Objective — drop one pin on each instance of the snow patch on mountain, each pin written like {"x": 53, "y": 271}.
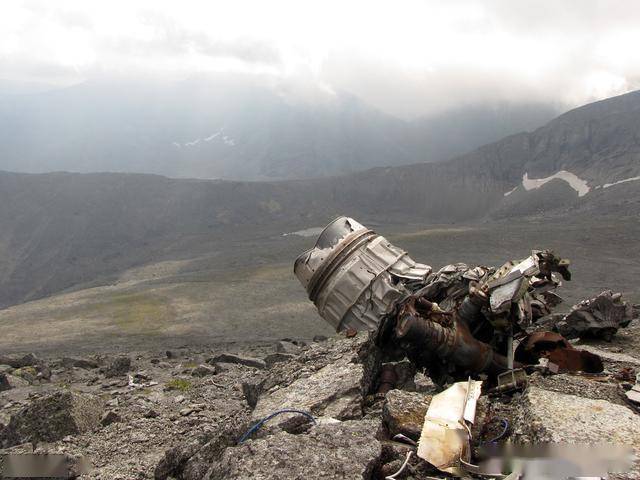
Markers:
{"x": 506, "y": 194}
{"x": 574, "y": 182}
{"x": 226, "y": 139}
{"x": 631, "y": 179}
{"x": 212, "y": 136}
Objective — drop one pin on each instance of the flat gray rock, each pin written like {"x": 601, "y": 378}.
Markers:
{"x": 53, "y": 417}
{"x": 335, "y": 391}
{"x": 346, "y": 450}
{"x": 546, "y": 416}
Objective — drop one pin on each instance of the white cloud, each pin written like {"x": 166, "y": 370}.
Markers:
{"x": 409, "y": 57}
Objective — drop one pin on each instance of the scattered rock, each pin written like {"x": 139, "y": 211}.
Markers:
{"x": 287, "y": 347}
{"x": 29, "y": 374}
{"x": 69, "y": 362}
{"x": 204, "y": 370}
{"x": 320, "y": 338}
{"x": 141, "y": 376}
{"x": 175, "y": 460}
{"x": 109, "y": 417}
{"x": 251, "y": 390}
{"x": 27, "y": 360}
{"x": 44, "y": 372}
{"x": 339, "y": 450}
{"x": 118, "y": 367}
{"x": 8, "y": 381}
{"x": 277, "y": 357}
{"x": 240, "y": 360}
{"x": 52, "y": 418}
{"x": 150, "y": 413}
{"x": 404, "y": 412}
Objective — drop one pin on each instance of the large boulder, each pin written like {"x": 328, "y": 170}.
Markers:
{"x": 53, "y": 417}
{"x": 8, "y": 381}
{"x": 346, "y": 450}
{"x": 334, "y": 391}
{"x": 547, "y": 416}
{"x": 551, "y": 417}
{"x": 404, "y": 412}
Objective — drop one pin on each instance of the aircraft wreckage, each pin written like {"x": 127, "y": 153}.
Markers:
{"x": 458, "y": 322}
{"x": 460, "y": 325}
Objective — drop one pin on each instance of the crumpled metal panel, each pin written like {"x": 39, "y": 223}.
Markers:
{"x": 355, "y": 276}
{"x": 445, "y": 437}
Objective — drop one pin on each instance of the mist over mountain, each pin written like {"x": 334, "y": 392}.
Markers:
{"x": 64, "y": 229}
{"x": 234, "y": 127}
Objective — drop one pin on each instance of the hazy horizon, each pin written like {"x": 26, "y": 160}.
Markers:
{"x": 417, "y": 59}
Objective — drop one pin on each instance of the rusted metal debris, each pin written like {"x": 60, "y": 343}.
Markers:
{"x": 598, "y": 317}
{"x": 456, "y": 322}
{"x": 561, "y": 355}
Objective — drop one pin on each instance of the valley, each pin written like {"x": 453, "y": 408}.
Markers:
{"x": 245, "y": 292}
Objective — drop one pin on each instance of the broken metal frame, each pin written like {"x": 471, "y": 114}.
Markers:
{"x": 358, "y": 280}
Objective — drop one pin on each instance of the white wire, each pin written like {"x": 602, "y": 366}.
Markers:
{"x": 406, "y": 461}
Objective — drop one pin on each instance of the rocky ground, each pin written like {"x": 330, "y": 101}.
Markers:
{"x": 180, "y": 414}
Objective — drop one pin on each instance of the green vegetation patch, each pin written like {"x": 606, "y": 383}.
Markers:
{"x": 180, "y": 384}
{"x": 136, "y": 313}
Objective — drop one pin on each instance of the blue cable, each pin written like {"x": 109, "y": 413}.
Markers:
{"x": 505, "y": 427}
{"x": 259, "y": 424}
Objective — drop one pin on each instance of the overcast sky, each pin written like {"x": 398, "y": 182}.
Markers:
{"x": 406, "y": 57}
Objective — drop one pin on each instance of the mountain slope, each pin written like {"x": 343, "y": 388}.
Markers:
{"x": 233, "y": 127}
{"x": 60, "y": 230}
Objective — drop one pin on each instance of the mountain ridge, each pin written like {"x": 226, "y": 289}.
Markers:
{"x": 65, "y": 229}
{"x": 233, "y": 127}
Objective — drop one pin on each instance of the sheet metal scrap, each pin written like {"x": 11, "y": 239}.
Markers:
{"x": 599, "y": 317}
{"x": 444, "y": 440}
{"x": 561, "y": 355}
